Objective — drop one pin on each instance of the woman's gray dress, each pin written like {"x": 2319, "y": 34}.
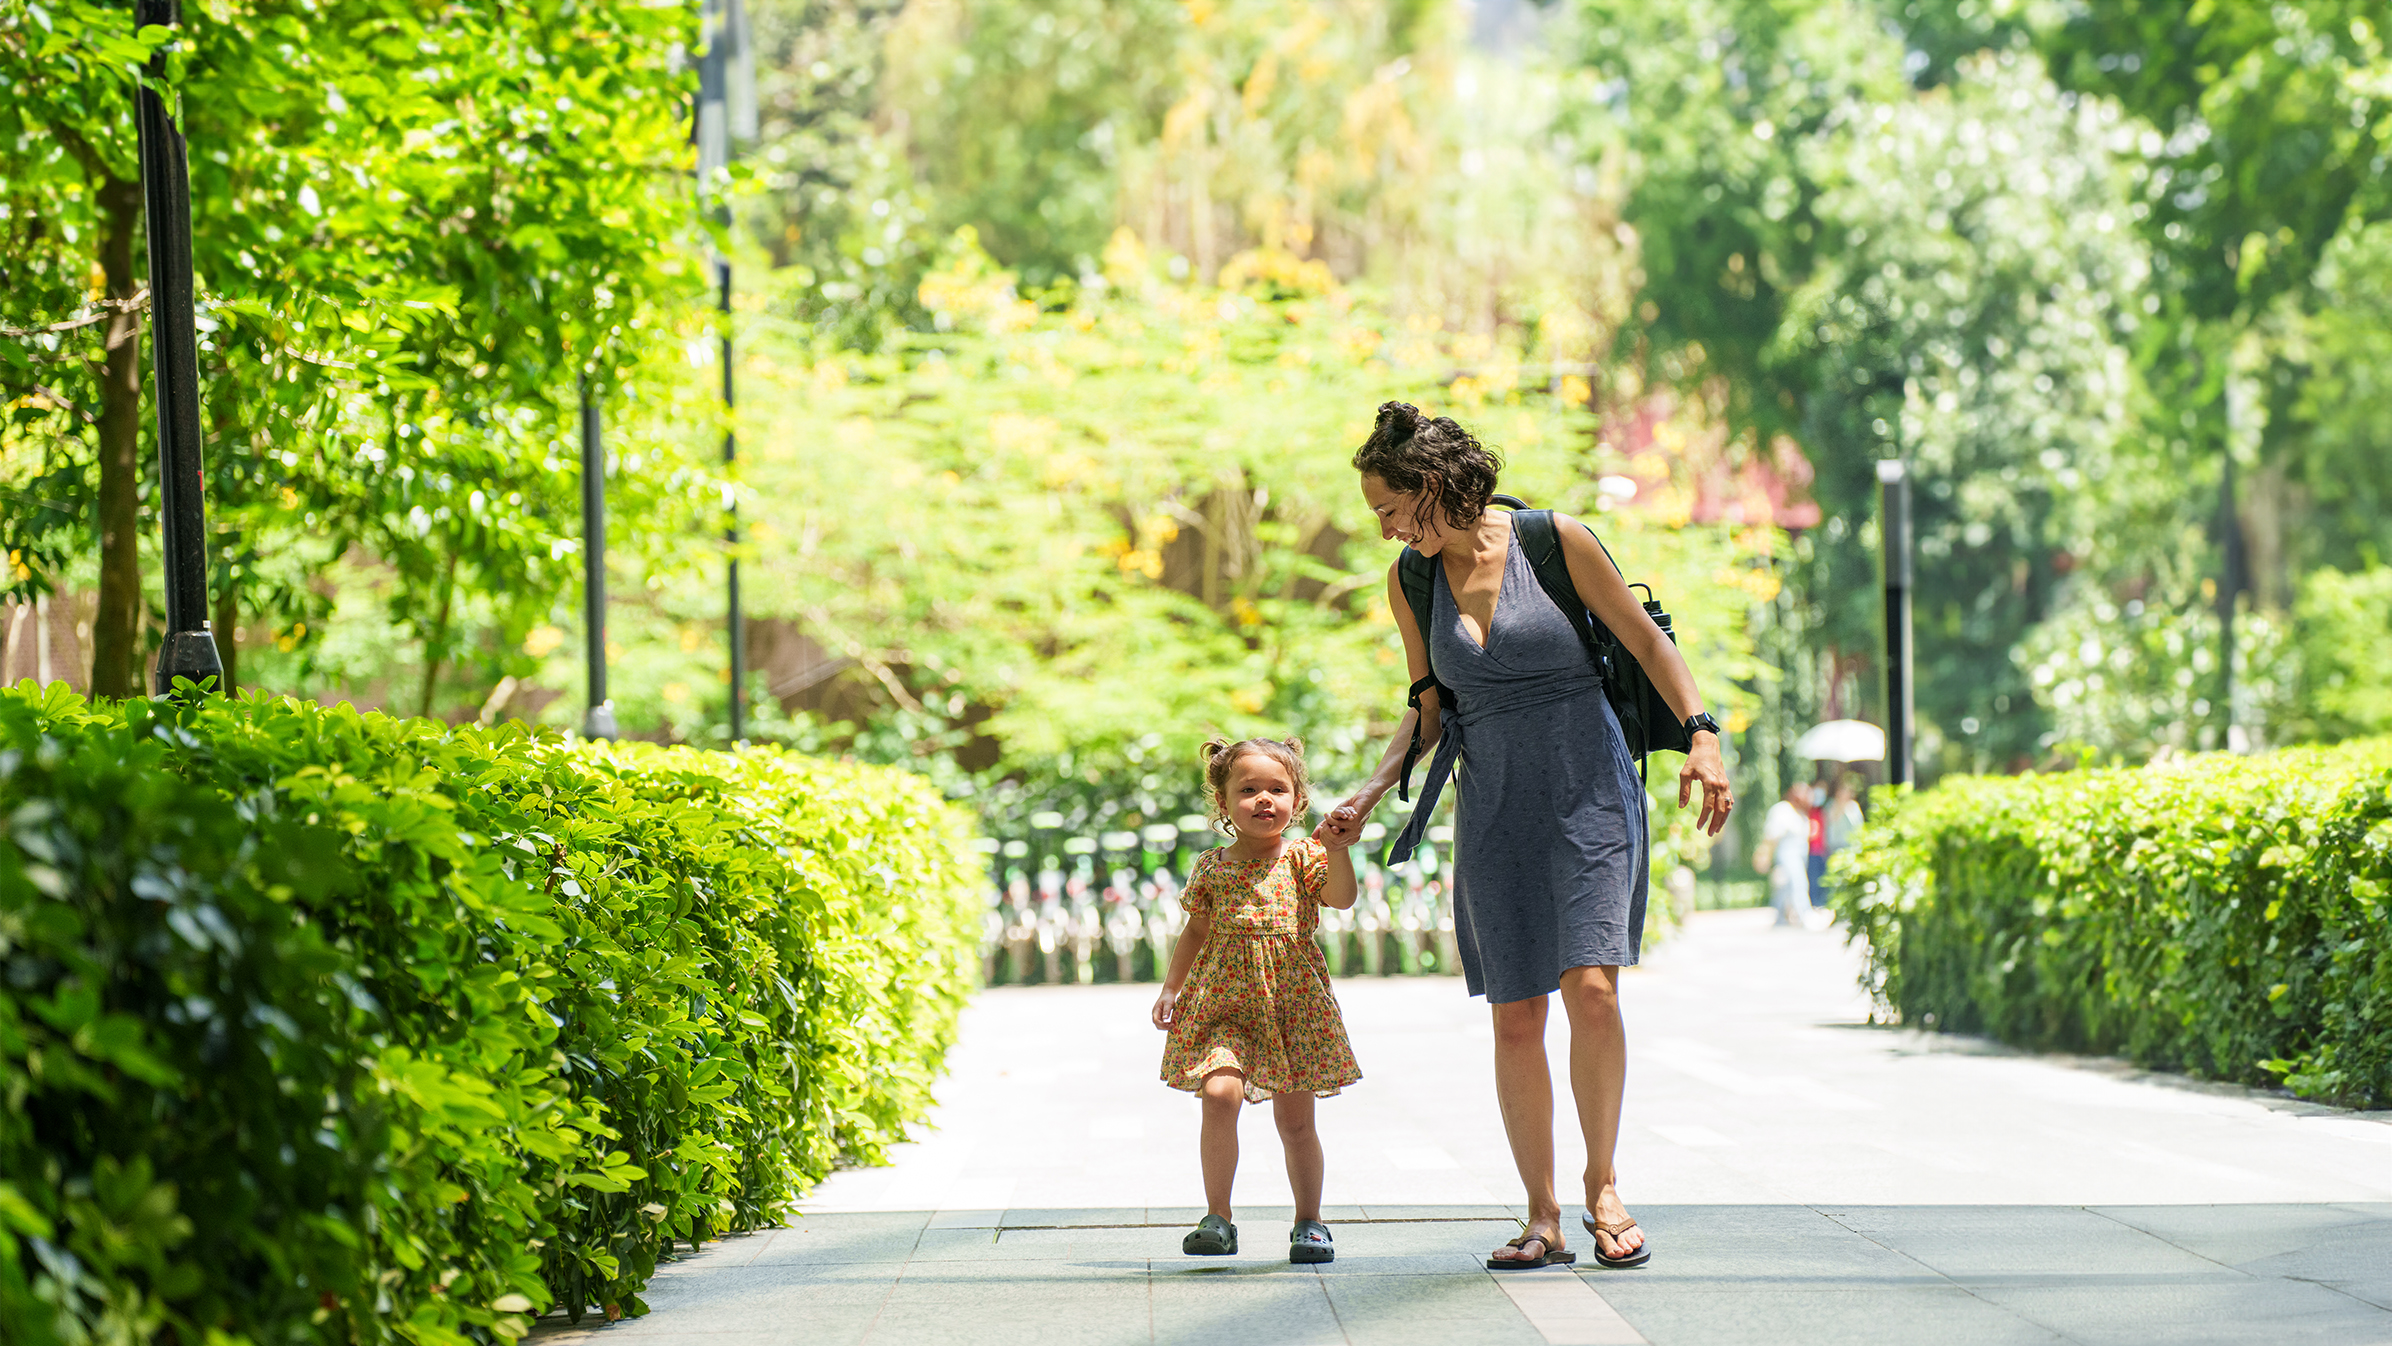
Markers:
{"x": 1550, "y": 854}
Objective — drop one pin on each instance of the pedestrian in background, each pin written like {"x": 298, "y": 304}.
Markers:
{"x": 1844, "y": 818}
{"x": 1843, "y": 822}
{"x": 1783, "y": 853}
{"x": 1815, "y": 846}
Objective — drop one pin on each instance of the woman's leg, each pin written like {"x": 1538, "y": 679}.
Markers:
{"x": 1524, "y": 1089}
{"x": 1293, "y": 1112}
{"x": 1224, "y": 1094}
{"x": 1599, "y": 1079}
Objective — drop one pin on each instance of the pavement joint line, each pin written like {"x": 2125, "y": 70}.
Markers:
{"x": 1331, "y": 1300}
{"x": 881, "y": 1309}
{"x": 1972, "y": 1291}
{"x": 2225, "y": 1266}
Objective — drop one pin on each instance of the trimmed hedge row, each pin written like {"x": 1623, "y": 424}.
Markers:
{"x": 318, "y": 1026}
{"x": 2229, "y": 917}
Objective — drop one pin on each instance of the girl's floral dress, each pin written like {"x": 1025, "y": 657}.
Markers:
{"x": 1258, "y": 998}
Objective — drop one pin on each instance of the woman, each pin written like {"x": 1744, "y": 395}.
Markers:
{"x": 1550, "y": 840}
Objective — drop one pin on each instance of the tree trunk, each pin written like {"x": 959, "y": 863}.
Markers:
{"x": 436, "y": 643}
{"x": 115, "y": 628}
{"x": 228, "y": 632}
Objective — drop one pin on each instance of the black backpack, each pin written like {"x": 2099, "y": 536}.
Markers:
{"x": 1644, "y": 714}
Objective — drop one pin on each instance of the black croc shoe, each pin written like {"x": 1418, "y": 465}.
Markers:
{"x": 1309, "y": 1241}
{"x": 1212, "y": 1237}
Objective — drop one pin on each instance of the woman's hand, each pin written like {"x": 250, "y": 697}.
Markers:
{"x": 1703, "y": 764}
{"x": 1165, "y": 1005}
{"x": 1343, "y": 826}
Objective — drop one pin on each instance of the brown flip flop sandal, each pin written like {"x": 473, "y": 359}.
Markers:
{"x": 1642, "y": 1255}
{"x": 1553, "y": 1257}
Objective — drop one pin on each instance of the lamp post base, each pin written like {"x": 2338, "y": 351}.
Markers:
{"x": 189, "y": 654}
{"x": 600, "y": 722}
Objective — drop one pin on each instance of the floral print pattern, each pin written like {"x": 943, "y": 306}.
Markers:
{"x": 1258, "y": 998}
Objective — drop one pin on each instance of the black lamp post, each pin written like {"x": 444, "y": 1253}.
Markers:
{"x": 189, "y": 650}
{"x": 727, "y": 113}
{"x": 599, "y": 721}
{"x": 1893, "y": 521}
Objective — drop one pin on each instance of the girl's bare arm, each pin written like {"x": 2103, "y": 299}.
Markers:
{"x": 1342, "y": 888}
{"x": 1183, "y": 959}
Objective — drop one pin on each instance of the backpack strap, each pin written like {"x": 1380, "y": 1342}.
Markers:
{"x": 1413, "y": 571}
{"x": 1417, "y": 575}
{"x": 1541, "y": 542}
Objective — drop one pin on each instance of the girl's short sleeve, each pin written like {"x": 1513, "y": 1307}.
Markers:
{"x": 1197, "y": 898}
{"x": 1312, "y": 869}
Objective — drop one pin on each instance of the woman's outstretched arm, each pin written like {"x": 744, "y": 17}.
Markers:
{"x": 1344, "y": 823}
{"x": 1606, "y": 594}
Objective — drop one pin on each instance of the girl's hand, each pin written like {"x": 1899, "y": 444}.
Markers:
{"x": 1343, "y": 826}
{"x": 1703, "y": 764}
{"x": 1165, "y": 1005}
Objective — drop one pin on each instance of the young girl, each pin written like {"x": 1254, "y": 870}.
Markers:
{"x": 1257, "y": 1020}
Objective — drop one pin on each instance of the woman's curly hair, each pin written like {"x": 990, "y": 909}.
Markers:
{"x": 1412, "y": 452}
{"x": 1221, "y": 754}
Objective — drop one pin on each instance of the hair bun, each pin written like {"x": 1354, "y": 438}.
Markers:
{"x": 1402, "y": 416}
{"x": 1213, "y": 748}
{"x": 1294, "y": 745}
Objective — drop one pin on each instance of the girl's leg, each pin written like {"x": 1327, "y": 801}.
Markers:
{"x": 1224, "y": 1094}
{"x": 1599, "y": 1079}
{"x": 1293, "y": 1112}
{"x": 1524, "y": 1089}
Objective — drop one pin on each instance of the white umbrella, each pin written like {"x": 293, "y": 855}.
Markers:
{"x": 1842, "y": 741}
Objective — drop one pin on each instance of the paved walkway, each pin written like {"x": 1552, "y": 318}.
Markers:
{"x": 1803, "y": 1178}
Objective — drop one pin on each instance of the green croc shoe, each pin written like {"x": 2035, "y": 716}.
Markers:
{"x": 1309, "y": 1241}
{"x": 1212, "y": 1237}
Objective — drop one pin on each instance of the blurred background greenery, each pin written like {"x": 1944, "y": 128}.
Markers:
{"x": 1057, "y": 321}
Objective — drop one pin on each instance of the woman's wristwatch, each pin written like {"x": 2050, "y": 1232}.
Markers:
{"x": 1697, "y": 724}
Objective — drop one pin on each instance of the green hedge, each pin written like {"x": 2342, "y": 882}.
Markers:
{"x": 2223, "y": 916}
{"x": 318, "y": 1026}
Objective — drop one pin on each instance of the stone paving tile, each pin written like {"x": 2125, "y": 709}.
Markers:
{"x": 1966, "y": 1242}
{"x": 2376, "y": 1290}
{"x": 985, "y": 1245}
{"x": 744, "y": 1302}
{"x": 1008, "y": 1322}
{"x": 1291, "y": 1307}
{"x": 2099, "y": 1311}
{"x": 1404, "y": 1309}
{"x": 1761, "y": 1246}
{"x": 818, "y": 1244}
{"x": 2311, "y": 1243}
{"x": 1051, "y": 1276}
{"x": 1827, "y": 1314}
{"x": 1449, "y": 1263}
{"x": 1440, "y": 1236}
